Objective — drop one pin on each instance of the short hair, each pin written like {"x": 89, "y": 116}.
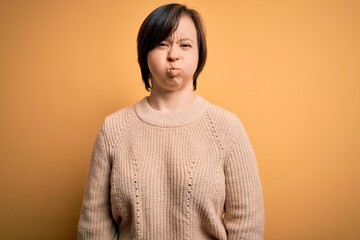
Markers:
{"x": 158, "y": 26}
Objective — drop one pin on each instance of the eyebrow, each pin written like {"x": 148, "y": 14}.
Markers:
{"x": 180, "y": 40}
{"x": 185, "y": 39}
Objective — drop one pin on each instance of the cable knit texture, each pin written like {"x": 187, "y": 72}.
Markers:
{"x": 191, "y": 174}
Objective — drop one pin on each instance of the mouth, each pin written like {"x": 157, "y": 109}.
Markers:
{"x": 173, "y": 70}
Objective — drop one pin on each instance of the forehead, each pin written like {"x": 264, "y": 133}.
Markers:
{"x": 185, "y": 29}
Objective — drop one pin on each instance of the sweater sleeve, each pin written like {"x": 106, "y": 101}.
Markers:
{"x": 96, "y": 221}
{"x": 244, "y": 209}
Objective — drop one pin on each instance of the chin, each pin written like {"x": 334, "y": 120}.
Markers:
{"x": 174, "y": 83}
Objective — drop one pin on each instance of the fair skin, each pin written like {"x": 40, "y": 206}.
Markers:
{"x": 172, "y": 64}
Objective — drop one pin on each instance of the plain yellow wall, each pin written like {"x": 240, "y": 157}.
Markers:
{"x": 289, "y": 69}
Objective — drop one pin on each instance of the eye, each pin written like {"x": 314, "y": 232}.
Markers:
{"x": 162, "y": 44}
{"x": 185, "y": 45}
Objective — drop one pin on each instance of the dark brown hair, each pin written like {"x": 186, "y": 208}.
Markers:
{"x": 159, "y": 25}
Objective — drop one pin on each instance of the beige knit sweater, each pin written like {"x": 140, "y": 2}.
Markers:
{"x": 185, "y": 175}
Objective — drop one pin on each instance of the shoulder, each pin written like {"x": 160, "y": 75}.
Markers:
{"x": 118, "y": 118}
{"x": 222, "y": 117}
{"x": 226, "y": 124}
{"x": 115, "y": 123}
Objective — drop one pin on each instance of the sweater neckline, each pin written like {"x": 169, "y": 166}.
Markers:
{"x": 170, "y": 119}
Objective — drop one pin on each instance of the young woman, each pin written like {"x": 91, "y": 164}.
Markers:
{"x": 172, "y": 166}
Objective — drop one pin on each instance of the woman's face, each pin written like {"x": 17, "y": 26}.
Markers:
{"x": 173, "y": 62}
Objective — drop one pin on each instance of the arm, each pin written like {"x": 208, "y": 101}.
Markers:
{"x": 96, "y": 221}
{"x": 244, "y": 210}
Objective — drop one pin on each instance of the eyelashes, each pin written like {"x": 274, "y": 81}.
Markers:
{"x": 162, "y": 44}
{"x": 186, "y": 45}
{"x": 166, "y": 44}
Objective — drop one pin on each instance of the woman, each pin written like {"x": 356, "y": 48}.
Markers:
{"x": 173, "y": 166}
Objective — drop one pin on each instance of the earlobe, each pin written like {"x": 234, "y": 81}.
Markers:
{"x": 149, "y": 80}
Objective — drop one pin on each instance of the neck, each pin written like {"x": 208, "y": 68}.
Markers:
{"x": 170, "y": 101}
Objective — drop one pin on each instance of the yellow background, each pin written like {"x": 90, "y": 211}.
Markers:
{"x": 289, "y": 69}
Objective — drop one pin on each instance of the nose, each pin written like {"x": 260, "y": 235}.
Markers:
{"x": 173, "y": 54}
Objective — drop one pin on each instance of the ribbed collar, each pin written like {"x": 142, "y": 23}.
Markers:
{"x": 174, "y": 119}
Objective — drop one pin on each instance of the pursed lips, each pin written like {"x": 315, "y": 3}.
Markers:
{"x": 173, "y": 70}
